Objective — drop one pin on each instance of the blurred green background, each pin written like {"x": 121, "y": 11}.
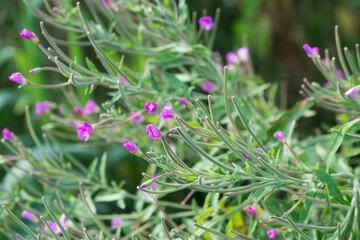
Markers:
{"x": 276, "y": 31}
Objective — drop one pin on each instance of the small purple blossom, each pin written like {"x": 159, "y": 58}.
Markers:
{"x": 279, "y": 135}
{"x": 251, "y": 210}
{"x": 184, "y": 101}
{"x": 206, "y": 23}
{"x": 324, "y": 62}
{"x": 90, "y": 107}
{"x": 106, "y": 3}
{"x": 84, "y": 130}
{"x": 246, "y": 156}
{"x": 130, "y": 146}
{"x": 41, "y": 107}
{"x": 339, "y": 73}
{"x": 243, "y": 54}
{"x": 17, "y": 77}
{"x": 138, "y": 117}
{"x": 7, "y": 134}
{"x": 326, "y": 85}
{"x": 311, "y": 51}
{"x": 208, "y": 86}
{"x": 352, "y": 92}
{"x": 122, "y": 79}
{"x": 78, "y": 110}
{"x": 32, "y": 71}
{"x": 55, "y": 227}
{"x": 143, "y": 186}
{"x": 167, "y": 112}
{"x": 27, "y": 34}
{"x": 272, "y": 233}
{"x": 231, "y": 58}
{"x": 115, "y": 222}
{"x": 172, "y": 130}
{"x": 28, "y": 215}
{"x": 150, "y": 107}
{"x": 260, "y": 149}
{"x": 154, "y": 184}
{"x": 153, "y": 132}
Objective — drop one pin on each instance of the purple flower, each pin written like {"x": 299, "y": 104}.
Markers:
{"x": 27, "y": 34}
{"x": 324, "y": 62}
{"x": 55, "y": 227}
{"x": 32, "y": 71}
{"x": 311, "y": 51}
{"x": 167, "y": 112}
{"x": 208, "y": 86}
{"x": 122, "y": 79}
{"x": 279, "y": 135}
{"x": 172, "y": 130}
{"x": 352, "y": 92}
{"x": 115, "y": 222}
{"x": 84, "y": 130}
{"x": 184, "y": 101}
{"x": 28, "y": 215}
{"x": 7, "y": 134}
{"x": 272, "y": 233}
{"x": 243, "y": 54}
{"x": 151, "y": 107}
{"x": 246, "y": 156}
{"x": 143, "y": 186}
{"x": 251, "y": 210}
{"x": 41, "y": 107}
{"x": 216, "y": 59}
{"x": 153, "y": 132}
{"x": 154, "y": 184}
{"x": 130, "y": 146}
{"x": 17, "y": 77}
{"x": 90, "y": 107}
{"x": 260, "y": 150}
{"x": 78, "y": 110}
{"x": 231, "y": 58}
{"x": 138, "y": 117}
{"x": 340, "y": 74}
{"x": 206, "y": 23}
{"x": 72, "y": 121}
{"x": 326, "y": 85}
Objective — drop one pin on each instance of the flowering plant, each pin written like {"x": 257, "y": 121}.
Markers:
{"x": 235, "y": 157}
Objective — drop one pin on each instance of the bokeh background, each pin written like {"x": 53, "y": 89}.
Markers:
{"x": 276, "y": 31}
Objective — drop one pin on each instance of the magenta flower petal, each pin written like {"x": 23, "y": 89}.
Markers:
{"x": 340, "y": 73}
{"x": 28, "y": 215}
{"x": 84, "y": 130}
{"x": 272, "y": 233}
{"x": 208, "y": 86}
{"x": 78, "y": 110}
{"x": 167, "y": 112}
{"x": 243, "y": 54}
{"x": 154, "y": 184}
{"x": 122, "y": 79}
{"x": 260, "y": 149}
{"x": 130, "y": 146}
{"x": 246, "y": 156}
{"x": 279, "y": 135}
{"x": 17, "y": 77}
{"x": 184, "y": 101}
{"x": 153, "y": 132}
{"x": 251, "y": 210}
{"x": 326, "y": 85}
{"x": 137, "y": 119}
{"x": 311, "y": 51}
{"x": 143, "y": 186}
{"x": 115, "y": 222}
{"x": 42, "y": 107}
{"x": 55, "y": 227}
{"x": 52, "y": 225}
{"x": 7, "y": 134}
{"x": 27, "y": 34}
{"x": 150, "y": 107}
{"x": 352, "y": 92}
{"x": 231, "y": 58}
{"x": 90, "y": 107}
{"x": 206, "y": 23}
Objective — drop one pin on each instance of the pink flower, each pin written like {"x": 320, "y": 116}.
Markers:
{"x": 251, "y": 210}
{"x": 326, "y": 85}
{"x": 184, "y": 101}
{"x": 272, "y": 233}
{"x": 260, "y": 150}
{"x": 137, "y": 119}
{"x": 27, "y": 34}
{"x": 208, "y": 86}
{"x": 154, "y": 184}
{"x": 206, "y": 23}
{"x": 84, "y": 130}
{"x": 143, "y": 186}
{"x": 153, "y": 132}
{"x": 216, "y": 59}
{"x": 130, "y": 146}
{"x": 151, "y": 107}
{"x": 279, "y": 135}
{"x": 340, "y": 73}
{"x": 90, "y": 107}
{"x": 352, "y": 92}
{"x": 17, "y": 77}
{"x": 55, "y": 227}
{"x": 122, "y": 79}
{"x": 167, "y": 112}
{"x": 41, "y": 107}
{"x": 324, "y": 62}
{"x": 231, "y": 58}
{"x": 311, "y": 51}
{"x": 78, "y": 110}
{"x": 246, "y": 156}
{"x": 28, "y": 215}
{"x": 7, "y": 134}
{"x": 115, "y": 222}
{"x": 243, "y": 54}
{"x": 172, "y": 130}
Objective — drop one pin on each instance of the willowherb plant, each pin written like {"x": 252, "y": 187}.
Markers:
{"x": 200, "y": 126}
